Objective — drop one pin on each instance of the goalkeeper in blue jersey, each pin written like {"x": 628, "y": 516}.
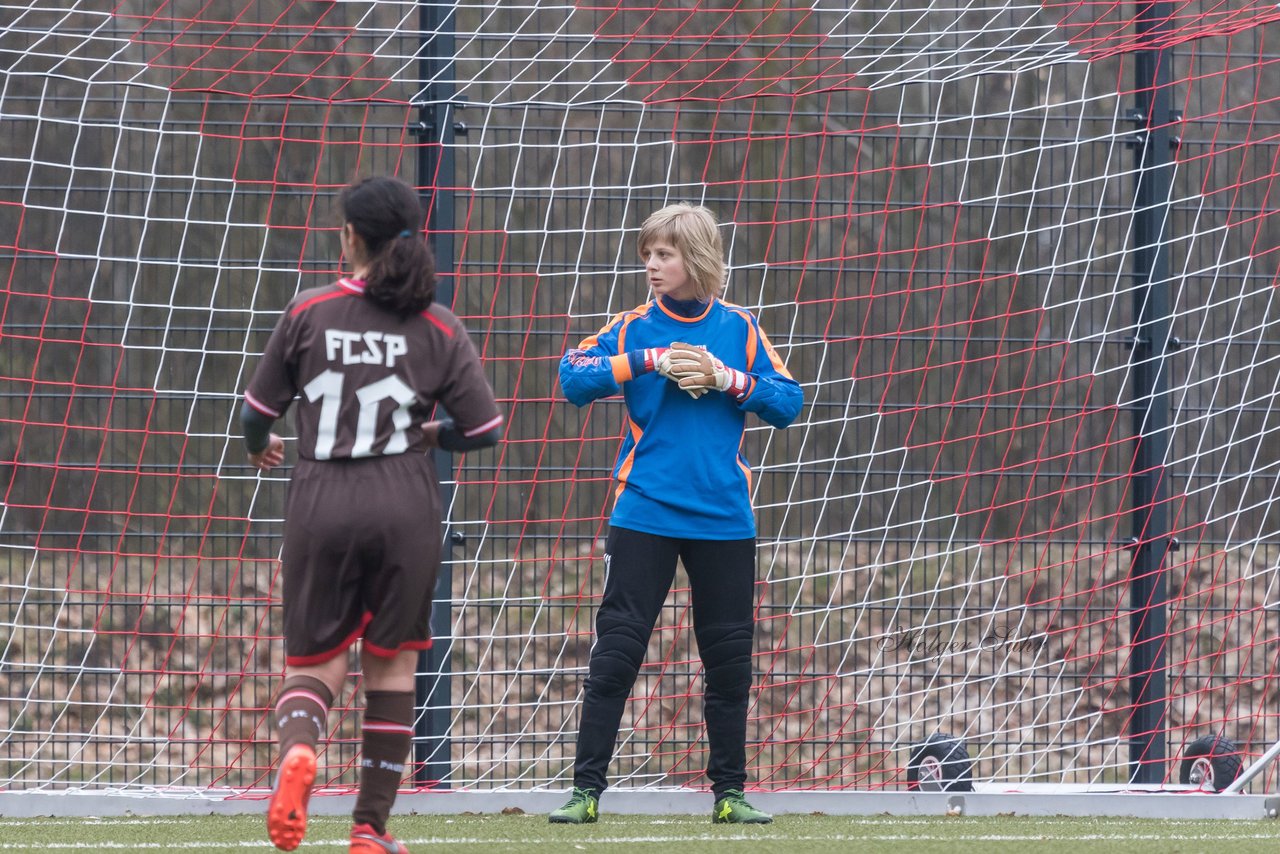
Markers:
{"x": 690, "y": 368}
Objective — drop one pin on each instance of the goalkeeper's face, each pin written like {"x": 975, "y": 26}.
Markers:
{"x": 666, "y": 272}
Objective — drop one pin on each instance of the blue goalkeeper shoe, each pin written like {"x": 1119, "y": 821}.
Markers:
{"x": 583, "y": 807}
{"x": 732, "y": 808}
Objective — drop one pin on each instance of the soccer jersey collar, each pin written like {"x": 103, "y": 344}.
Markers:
{"x": 685, "y": 311}
{"x": 351, "y": 286}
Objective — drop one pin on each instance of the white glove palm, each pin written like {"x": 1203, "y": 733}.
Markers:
{"x": 693, "y": 367}
{"x": 664, "y": 365}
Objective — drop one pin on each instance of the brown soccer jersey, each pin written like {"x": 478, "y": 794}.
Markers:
{"x": 362, "y": 523}
{"x": 367, "y": 379}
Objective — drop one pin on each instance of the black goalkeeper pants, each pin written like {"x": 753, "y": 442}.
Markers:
{"x": 640, "y": 569}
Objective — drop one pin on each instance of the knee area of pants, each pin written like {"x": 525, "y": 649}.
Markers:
{"x": 733, "y": 678}
{"x": 621, "y": 629}
{"x": 725, "y": 646}
{"x": 612, "y": 681}
{"x": 613, "y": 671}
{"x": 622, "y": 640}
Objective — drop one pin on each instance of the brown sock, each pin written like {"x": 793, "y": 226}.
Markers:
{"x": 388, "y": 731}
{"x": 301, "y": 710}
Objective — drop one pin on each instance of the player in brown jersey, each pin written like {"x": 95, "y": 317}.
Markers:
{"x": 368, "y": 358}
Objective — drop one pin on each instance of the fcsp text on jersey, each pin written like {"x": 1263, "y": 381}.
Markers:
{"x": 378, "y": 347}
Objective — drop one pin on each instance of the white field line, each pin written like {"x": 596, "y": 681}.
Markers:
{"x": 92, "y": 822}
{"x": 45, "y": 845}
{"x": 691, "y": 821}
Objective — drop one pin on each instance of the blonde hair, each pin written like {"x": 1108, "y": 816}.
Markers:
{"x": 694, "y": 232}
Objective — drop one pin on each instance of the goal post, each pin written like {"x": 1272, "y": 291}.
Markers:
{"x": 1023, "y": 261}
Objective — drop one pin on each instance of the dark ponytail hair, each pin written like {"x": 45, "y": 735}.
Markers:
{"x": 401, "y": 273}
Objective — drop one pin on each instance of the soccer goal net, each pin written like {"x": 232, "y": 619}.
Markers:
{"x": 1022, "y": 258}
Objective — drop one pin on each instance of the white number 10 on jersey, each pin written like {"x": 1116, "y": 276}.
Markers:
{"x": 327, "y": 388}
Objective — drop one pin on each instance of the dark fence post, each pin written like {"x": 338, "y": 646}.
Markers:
{"x": 435, "y": 165}
{"x": 1152, "y": 341}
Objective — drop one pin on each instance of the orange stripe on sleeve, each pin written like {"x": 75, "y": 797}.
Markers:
{"x": 753, "y": 333}
{"x": 622, "y": 333}
{"x": 778, "y": 364}
{"x": 621, "y": 365}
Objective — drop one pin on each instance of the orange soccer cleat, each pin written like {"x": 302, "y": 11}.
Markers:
{"x": 366, "y": 840}
{"x": 287, "y": 814}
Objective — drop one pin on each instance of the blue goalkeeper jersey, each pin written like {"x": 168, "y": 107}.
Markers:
{"x": 680, "y": 471}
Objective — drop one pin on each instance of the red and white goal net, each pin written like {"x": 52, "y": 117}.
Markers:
{"x": 933, "y": 209}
